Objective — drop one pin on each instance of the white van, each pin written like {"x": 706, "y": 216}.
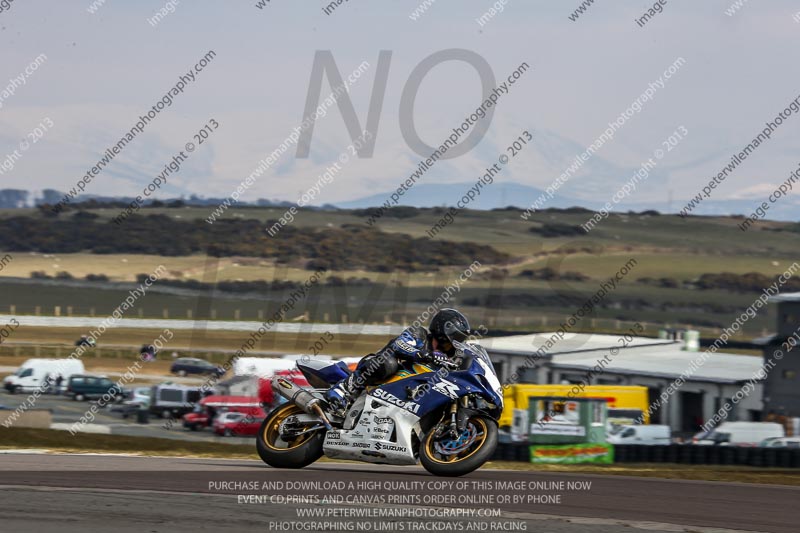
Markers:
{"x": 644, "y": 434}
{"x": 33, "y": 373}
{"x": 742, "y": 433}
{"x": 168, "y": 400}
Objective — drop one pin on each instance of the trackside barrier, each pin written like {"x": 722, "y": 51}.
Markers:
{"x": 679, "y": 454}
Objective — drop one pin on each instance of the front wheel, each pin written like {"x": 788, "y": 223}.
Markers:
{"x": 279, "y": 448}
{"x": 443, "y": 455}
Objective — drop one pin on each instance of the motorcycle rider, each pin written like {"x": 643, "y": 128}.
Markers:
{"x": 415, "y": 344}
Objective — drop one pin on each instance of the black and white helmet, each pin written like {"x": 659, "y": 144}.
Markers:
{"x": 449, "y": 325}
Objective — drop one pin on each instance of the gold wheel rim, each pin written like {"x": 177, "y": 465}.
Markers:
{"x": 271, "y": 432}
{"x": 483, "y": 431}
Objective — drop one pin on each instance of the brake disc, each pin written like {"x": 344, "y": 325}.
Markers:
{"x": 456, "y": 446}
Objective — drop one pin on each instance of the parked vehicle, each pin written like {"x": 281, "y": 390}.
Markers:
{"x": 32, "y": 374}
{"x": 209, "y": 407}
{"x": 137, "y": 398}
{"x": 626, "y": 403}
{"x": 82, "y": 387}
{"x": 141, "y": 396}
{"x": 262, "y": 366}
{"x": 167, "y": 400}
{"x": 647, "y": 435}
{"x": 239, "y": 424}
{"x": 781, "y": 442}
{"x": 740, "y": 434}
{"x": 189, "y": 365}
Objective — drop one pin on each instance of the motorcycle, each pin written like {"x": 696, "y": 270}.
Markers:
{"x": 445, "y": 419}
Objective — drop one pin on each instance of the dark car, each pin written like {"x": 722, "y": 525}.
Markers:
{"x": 82, "y": 387}
{"x": 188, "y": 365}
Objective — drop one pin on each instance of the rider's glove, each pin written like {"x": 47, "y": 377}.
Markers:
{"x": 408, "y": 344}
{"x": 440, "y": 358}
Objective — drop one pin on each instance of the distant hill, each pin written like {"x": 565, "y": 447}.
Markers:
{"x": 514, "y": 194}
{"x": 492, "y": 196}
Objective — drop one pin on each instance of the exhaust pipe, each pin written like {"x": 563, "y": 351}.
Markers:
{"x": 302, "y": 398}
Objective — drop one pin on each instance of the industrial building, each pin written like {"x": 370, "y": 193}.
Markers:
{"x": 782, "y": 384}
{"x": 709, "y": 380}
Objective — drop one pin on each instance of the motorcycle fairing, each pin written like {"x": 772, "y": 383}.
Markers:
{"x": 383, "y": 434}
{"x": 323, "y": 374}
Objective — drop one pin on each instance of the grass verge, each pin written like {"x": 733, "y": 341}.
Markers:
{"x": 51, "y": 439}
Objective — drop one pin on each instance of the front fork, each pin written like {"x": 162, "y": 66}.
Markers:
{"x": 459, "y": 417}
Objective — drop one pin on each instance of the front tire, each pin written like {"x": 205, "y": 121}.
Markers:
{"x": 294, "y": 453}
{"x": 444, "y": 456}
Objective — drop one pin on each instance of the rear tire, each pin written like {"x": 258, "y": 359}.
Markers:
{"x": 182, "y": 373}
{"x": 472, "y": 457}
{"x": 79, "y": 397}
{"x": 281, "y": 454}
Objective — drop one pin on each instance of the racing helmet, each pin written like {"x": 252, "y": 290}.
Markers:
{"x": 449, "y": 325}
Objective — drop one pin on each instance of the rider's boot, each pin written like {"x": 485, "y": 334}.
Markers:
{"x": 341, "y": 395}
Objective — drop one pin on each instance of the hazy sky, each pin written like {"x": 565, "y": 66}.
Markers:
{"x": 105, "y": 69}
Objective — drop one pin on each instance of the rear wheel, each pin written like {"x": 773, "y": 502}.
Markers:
{"x": 443, "y": 455}
{"x": 79, "y": 397}
{"x": 182, "y": 373}
{"x": 281, "y": 449}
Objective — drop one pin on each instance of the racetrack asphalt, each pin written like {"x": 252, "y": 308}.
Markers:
{"x": 69, "y": 492}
